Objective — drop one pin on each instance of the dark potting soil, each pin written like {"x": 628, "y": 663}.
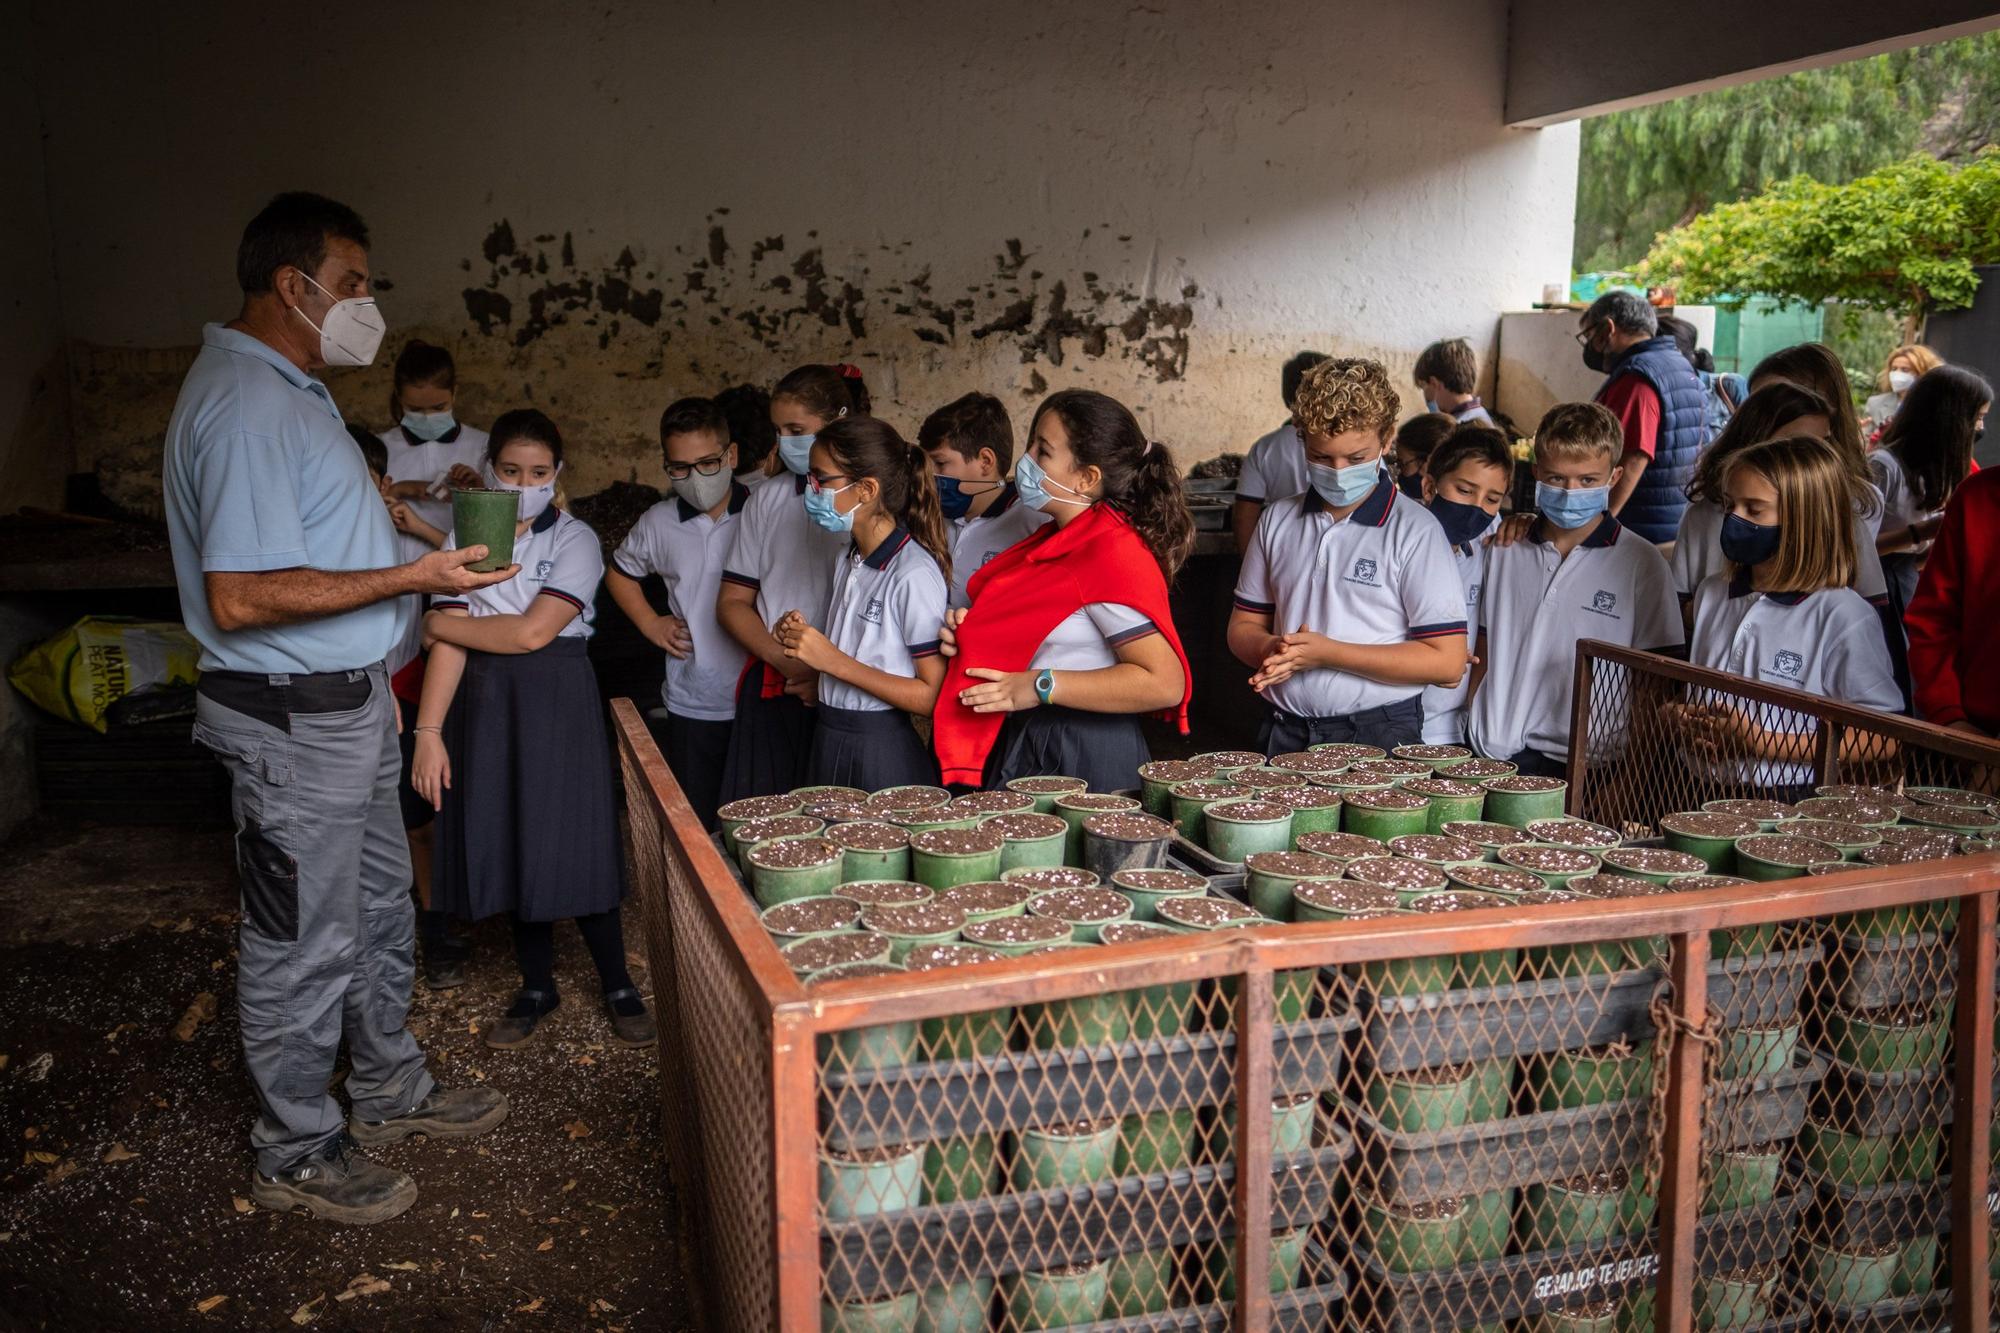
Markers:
{"x": 1709, "y": 824}
{"x": 1615, "y": 886}
{"x": 1232, "y": 758}
{"x": 957, "y": 841}
{"x": 794, "y": 853}
{"x": 1310, "y": 761}
{"x": 1016, "y": 930}
{"x": 1131, "y": 932}
{"x": 841, "y": 812}
{"x": 1211, "y": 789}
{"x": 1590, "y": 1311}
{"x": 1387, "y": 800}
{"x": 1305, "y": 798}
{"x": 1436, "y": 1076}
{"x": 986, "y": 895}
{"x": 913, "y": 797}
{"x": 823, "y": 951}
{"x": 1044, "y": 878}
{"x": 849, "y": 971}
{"x": 1447, "y": 788}
{"x": 1430, "y": 754}
{"x": 1026, "y": 827}
{"x": 1249, "y": 812}
{"x": 1371, "y": 913}
{"x": 888, "y": 1153}
{"x": 814, "y": 916}
{"x": 1073, "y": 1129}
{"x": 1342, "y": 846}
{"x": 1095, "y": 800}
{"x": 1161, "y": 881}
{"x": 1081, "y": 906}
{"x": 1540, "y": 897}
{"x": 1207, "y": 913}
{"x": 1916, "y": 836}
{"x": 1844, "y": 810}
{"x": 1747, "y": 808}
{"x": 1484, "y": 833}
{"x": 829, "y": 793}
{"x": 993, "y": 803}
{"x": 868, "y": 837}
{"x": 1044, "y": 786}
{"x": 931, "y": 918}
{"x": 1654, "y": 861}
{"x": 1350, "y": 752}
{"x": 882, "y": 892}
{"x": 1505, "y": 879}
{"x": 1553, "y": 860}
{"x": 1437, "y": 1210}
{"x": 1434, "y": 847}
{"x": 932, "y": 957}
{"x": 777, "y": 826}
{"x": 758, "y": 807}
{"x": 1950, "y": 796}
{"x": 1693, "y": 882}
{"x": 1478, "y": 768}
{"x": 1901, "y": 1016}
{"x": 1954, "y": 816}
{"x": 1128, "y": 826}
{"x": 1396, "y": 873}
{"x": 1573, "y": 833}
{"x": 1873, "y": 795}
{"x": 1522, "y": 784}
{"x": 1345, "y": 896}
{"x": 1784, "y": 850}
{"x": 1390, "y": 768}
{"x": 1169, "y": 771}
{"x": 1454, "y": 900}
{"x": 1269, "y": 779}
{"x": 1598, "y": 1183}
{"x": 905, "y": 805}
{"x": 1291, "y": 865}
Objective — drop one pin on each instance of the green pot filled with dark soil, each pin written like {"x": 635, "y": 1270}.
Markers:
{"x": 1383, "y": 815}
{"x": 1348, "y": 752}
{"x": 958, "y": 1036}
{"x": 1314, "y": 809}
{"x": 1013, "y": 936}
{"x": 1546, "y": 962}
{"x": 1600, "y": 1316}
{"x": 1190, "y": 801}
{"x": 958, "y": 1308}
{"x": 486, "y": 517}
{"x": 1492, "y": 1089}
{"x": 891, "y": 1314}
{"x": 1438, "y": 849}
{"x": 1890, "y": 1040}
{"x": 1045, "y": 790}
{"x": 870, "y": 850}
{"x": 1500, "y": 881}
{"x": 782, "y": 869}
{"x": 1125, "y": 840}
{"x": 1843, "y": 1158}
{"x": 1479, "y": 770}
{"x": 1399, "y": 772}
{"x": 802, "y": 918}
{"x": 1578, "y": 1211}
{"x": 1236, "y": 829}
{"x": 1055, "y": 1297}
{"x": 1849, "y": 810}
{"x": 1085, "y": 911}
{"x": 1851, "y": 1277}
{"x": 986, "y": 804}
{"x": 1309, "y": 763}
{"x": 1270, "y": 877}
{"x": 1850, "y": 840}
{"x": 1196, "y": 914}
{"x": 1759, "y": 1050}
{"x": 1644, "y": 950}
{"x": 1421, "y": 1101}
{"x": 988, "y": 899}
{"x": 738, "y": 813}
{"x": 1340, "y": 899}
{"x": 1767, "y": 814}
{"x": 1294, "y": 1122}
{"x": 868, "y": 1181}
{"x": 1140, "y": 1283}
{"x": 1581, "y": 834}
{"x": 1735, "y": 1299}
{"x": 1743, "y": 1177}
{"x": 829, "y": 795}
{"x": 1288, "y": 1252}
{"x": 1437, "y": 757}
{"x": 919, "y": 923}
{"x": 1451, "y": 802}
{"x": 1229, "y": 761}
{"x": 1153, "y": 1011}
{"x": 1768, "y": 857}
{"x": 1345, "y": 848}
{"x": 1032, "y": 840}
{"x": 1662, "y": 865}
{"x": 816, "y": 953}
{"x": 1614, "y": 1072}
{"x": 1486, "y": 835}
{"x": 946, "y": 858}
{"x": 961, "y": 1167}
{"x": 758, "y": 831}
{"x": 1154, "y": 1142}
{"x": 1148, "y": 888}
{"x": 884, "y": 1046}
{"x": 1972, "y": 821}
{"x": 1556, "y": 866}
{"x": 1711, "y": 835}
{"x": 913, "y": 797}
{"x": 1407, "y": 878}
{"x": 1084, "y": 1020}
{"x": 1042, "y": 879}
{"x": 1519, "y": 801}
{"x": 1415, "y": 1238}
{"x": 1484, "y": 967}
{"x": 1075, "y": 807}
{"x": 1056, "y": 1156}
{"x": 1489, "y": 1226}
{"x": 1917, "y": 1266}
{"x": 1157, "y": 780}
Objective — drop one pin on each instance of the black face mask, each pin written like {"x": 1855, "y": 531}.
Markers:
{"x": 1462, "y": 523}
{"x": 1594, "y": 359}
{"x": 1412, "y": 485}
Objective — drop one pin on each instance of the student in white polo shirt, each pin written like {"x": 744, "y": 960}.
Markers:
{"x": 511, "y": 749}
{"x": 970, "y": 442}
{"x": 878, "y": 656}
{"x": 1348, "y": 604}
{"x": 781, "y": 561}
{"x": 1783, "y": 613}
{"x": 1448, "y": 374}
{"x": 430, "y": 450}
{"x": 1469, "y": 476}
{"x": 686, "y": 540}
{"x": 1275, "y": 467}
{"x": 1577, "y": 575}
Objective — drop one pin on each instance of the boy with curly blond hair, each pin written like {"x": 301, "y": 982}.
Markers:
{"x": 1348, "y": 604}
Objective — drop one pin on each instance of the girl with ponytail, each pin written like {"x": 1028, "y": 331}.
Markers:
{"x": 877, "y": 660}
{"x": 1068, "y": 638}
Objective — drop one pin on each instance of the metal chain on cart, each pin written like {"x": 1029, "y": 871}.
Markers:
{"x": 1669, "y": 1028}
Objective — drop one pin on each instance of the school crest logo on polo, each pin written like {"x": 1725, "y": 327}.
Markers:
{"x": 1364, "y": 572}
{"x": 872, "y": 613}
{"x": 1604, "y": 601}
{"x": 543, "y": 568}
{"x": 1788, "y": 664}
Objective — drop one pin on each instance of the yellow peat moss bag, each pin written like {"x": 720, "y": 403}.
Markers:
{"x": 79, "y": 673}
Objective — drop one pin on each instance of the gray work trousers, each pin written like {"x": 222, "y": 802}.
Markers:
{"x": 326, "y": 944}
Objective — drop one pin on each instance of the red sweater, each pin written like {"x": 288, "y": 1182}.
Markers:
{"x": 1954, "y": 620}
{"x": 1021, "y": 595}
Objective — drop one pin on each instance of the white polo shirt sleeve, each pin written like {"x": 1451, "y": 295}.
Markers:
{"x": 1858, "y": 670}
{"x": 749, "y": 558}
{"x": 1254, "y": 592}
{"x": 1433, "y": 594}
{"x": 1656, "y": 607}
{"x": 576, "y": 567}
{"x": 918, "y": 603}
{"x": 1697, "y": 546}
{"x": 643, "y": 551}
{"x": 247, "y": 493}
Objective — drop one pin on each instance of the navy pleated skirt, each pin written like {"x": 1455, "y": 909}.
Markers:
{"x": 530, "y": 823}
{"x": 770, "y": 743}
{"x": 870, "y": 749}
{"x": 1104, "y": 749}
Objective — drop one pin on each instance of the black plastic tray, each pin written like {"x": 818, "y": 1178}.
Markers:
{"x": 1006, "y": 1232}
{"x": 1846, "y": 1217}
{"x": 1307, "y": 1308}
{"x": 1863, "y": 1103}
{"x": 1524, "y": 1284}
{"x": 1929, "y": 1312}
{"x": 1899, "y": 969}
{"x": 1559, "y": 1145}
{"x": 918, "y": 1103}
{"x": 1567, "y": 1013}
{"x": 1193, "y": 856}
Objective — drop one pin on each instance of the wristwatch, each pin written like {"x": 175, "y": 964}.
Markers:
{"x": 1045, "y": 685}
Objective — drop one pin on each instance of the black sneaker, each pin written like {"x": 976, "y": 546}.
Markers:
{"x": 453, "y": 1113}
{"x": 339, "y": 1183}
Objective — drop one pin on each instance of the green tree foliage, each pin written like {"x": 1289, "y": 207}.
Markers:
{"x": 1902, "y": 240}
{"x": 1654, "y": 168}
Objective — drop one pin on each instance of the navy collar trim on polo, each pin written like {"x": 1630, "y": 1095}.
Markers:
{"x": 1009, "y": 497}
{"x": 448, "y": 437}
{"x": 1467, "y": 408}
{"x": 798, "y": 482}
{"x": 1372, "y": 512}
{"x": 1739, "y": 586}
{"x": 897, "y": 539}
{"x": 545, "y": 520}
{"x": 1604, "y": 534}
{"x": 738, "y": 493}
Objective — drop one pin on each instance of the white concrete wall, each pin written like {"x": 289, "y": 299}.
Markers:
{"x": 603, "y": 207}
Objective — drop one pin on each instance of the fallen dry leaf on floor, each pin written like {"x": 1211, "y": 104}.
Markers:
{"x": 585, "y": 1060}
{"x": 306, "y": 1313}
{"x": 530, "y": 1307}
{"x": 118, "y": 1152}
{"x": 200, "y": 1010}
{"x": 476, "y": 1239}
{"x": 204, "y": 1306}
{"x": 402, "y": 1266}
{"x": 38, "y": 1156}
{"x": 241, "y": 1204}
{"x": 602, "y": 1306}
{"x": 546, "y": 1246}
{"x": 363, "y": 1284}
{"x": 60, "y": 1171}
{"x": 577, "y": 1129}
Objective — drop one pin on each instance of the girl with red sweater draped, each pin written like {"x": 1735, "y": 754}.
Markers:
{"x": 1954, "y": 620}
{"x": 1069, "y": 638}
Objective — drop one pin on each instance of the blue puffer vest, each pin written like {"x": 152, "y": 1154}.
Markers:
{"x": 1654, "y": 509}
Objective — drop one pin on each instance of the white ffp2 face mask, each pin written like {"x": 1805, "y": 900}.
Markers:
{"x": 351, "y": 331}
{"x": 534, "y": 499}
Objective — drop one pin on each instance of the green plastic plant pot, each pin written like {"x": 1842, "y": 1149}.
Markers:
{"x": 914, "y": 822}
{"x": 1547, "y": 962}
{"x": 1439, "y": 757}
{"x": 1635, "y": 1311}
{"x": 1288, "y": 1253}
{"x": 1886, "y": 1041}
{"x": 1149, "y": 888}
{"x": 758, "y": 831}
{"x": 1157, "y": 780}
{"x": 1441, "y": 850}
{"x": 1916, "y": 1266}
{"x": 1518, "y": 801}
{"x": 1085, "y": 911}
{"x": 894, "y": 1314}
{"x": 1229, "y": 761}
{"x": 1032, "y": 841}
{"x": 1768, "y": 857}
{"x": 1422, "y": 1101}
{"x": 1492, "y": 1090}
{"x": 1055, "y": 1299}
{"x": 1140, "y": 1283}
{"x": 1767, "y": 814}
{"x": 1636, "y": 1206}
{"x": 482, "y": 517}
{"x": 985, "y": 899}
{"x": 1234, "y": 830}
{"x": 1057, "y": 1156}
{"x": 1741, "y": 941}
{"x": 1399, "y": 772}
{"x": 1850, "y": 840}
{"x": 1743, "y": 1178}
{"x": 871, "y": 850}
{"x": 1451, "y": 802}
{"x": 1851, "y": 1277}
{"x": 1189, "y": 800}
{"x": 960, "y": 1168}
{"x": 1972, "y": 821}
{"x": 829, "y": 795}
{"x": 1880, "y": 923}
{"x": 786, "y": 868}
{"x": 946, "y": 858}
{"x": 1291, "y": 994}
{"x": 1314, "y": 810}
{"x": 884, "y": 1046}
{"x": 1841, "y": 1158}
{"x": 1151, "y": 1011}
{"x": 1734, "y": 1300}
{"x": 803, "y": 918}
{"x": 1075, "y": 807}
{"x": 1154, "y": 1142}
{"x": 1489, "y": 1226}
{"x": 1409, "y": 879}
{"x": 877, "y": 1180}
{"x": 960, "y": 1036}
{"x": 839, "y": 948}
{"x": 738, "y": 813}
{"x": 1340, "y": 899}
{"x": 1200, "y": 913}
{"x": 1045, "y": 790}
{"x": 1554, "y": 866}
{"x": 1595, "y": 1317}
{"x": 1418, "y": 1239}
{"x": 1710, "y": 835}
{"x": 1569, "y": 1079}
{"x": 1269, "y": 878}
{"x": 1013, "y": 936}
{"x": 1656, "y": 865}
{"x": 1087, "y": 1020}
{"x": 1750, "y": 1051}
{"x": 1383, "y": 815}
{"x": 958, "y": 1308}
{"x": 1486, "y": 967}
{"x": 1561, "y": 1213}
{"x": 1293, "y": 1120}
{"x": 1409, "y": 976}
{"x": 1486, "y": 835}
{"x": 919, "y": 923}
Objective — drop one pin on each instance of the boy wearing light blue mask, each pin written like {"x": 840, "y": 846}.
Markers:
{"x": 1577, "y": 575}
{"x": 1356, "y": 556}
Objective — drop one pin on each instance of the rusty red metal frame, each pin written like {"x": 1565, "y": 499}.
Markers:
{"x": 797, "y": 1017}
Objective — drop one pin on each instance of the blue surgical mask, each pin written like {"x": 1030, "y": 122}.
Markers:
{"x": 796, "y": 452}
{"x": 1461, "y": 522}
{"x": 819, "y": 508}
{"x": 428, "y": 425}
{"x": 1344, "y": 486}
{"x": 1572, "y": 508}
{"x": 955, "y": 500}
{"x": 1033, "y": 481}
{"x": 1746, "y": 543}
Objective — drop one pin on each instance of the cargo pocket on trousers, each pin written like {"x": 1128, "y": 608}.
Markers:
{"x": 270, "y": 877}
{"x": 391, "y": 963}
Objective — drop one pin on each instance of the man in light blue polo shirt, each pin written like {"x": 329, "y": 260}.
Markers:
{"x": 285, "y": 559}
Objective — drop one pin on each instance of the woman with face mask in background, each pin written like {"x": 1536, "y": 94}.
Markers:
{"x": 1905, "y": 366}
